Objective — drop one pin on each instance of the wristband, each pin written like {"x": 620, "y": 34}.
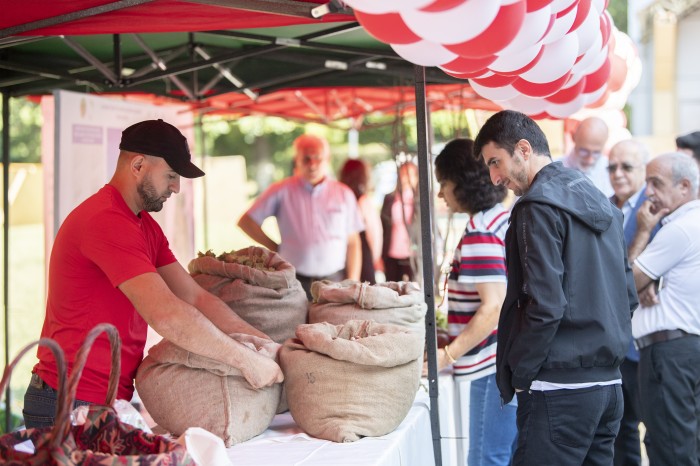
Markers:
{"x": 449, "y": 356}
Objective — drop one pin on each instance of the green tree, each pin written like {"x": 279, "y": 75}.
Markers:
{"x": 25, "y": 130}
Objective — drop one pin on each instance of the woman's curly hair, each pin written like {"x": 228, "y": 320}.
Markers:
{"x": 473, "y": 187}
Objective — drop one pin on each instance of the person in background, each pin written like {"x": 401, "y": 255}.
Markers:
{"x": 318, "y": 218}
{"x": 111, "y": 262}
{"x": 565, "y": 325}
{"x": 355, "y": 174}
{"x": 627, "y": 169}
{"x": 587, "y": 156}
{"x": 690, "y": 144}
{"x": 476, "y": 287}
{"x": 397, "y": 218}
{"x": 667, "y": 326}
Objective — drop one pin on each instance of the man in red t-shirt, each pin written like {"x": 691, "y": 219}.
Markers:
{"x": 111, "y": 262}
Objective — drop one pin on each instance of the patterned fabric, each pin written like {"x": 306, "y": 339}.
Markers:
{"x": 479, "y": 258}
{"x": 103, "y": 440}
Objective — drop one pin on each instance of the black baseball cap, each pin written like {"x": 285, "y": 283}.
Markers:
{"x": 161, "y": 139}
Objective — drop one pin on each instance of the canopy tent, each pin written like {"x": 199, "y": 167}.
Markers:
{"x": 200, "y": 50}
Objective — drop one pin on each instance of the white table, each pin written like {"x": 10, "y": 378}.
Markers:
{"x": 285, "y": 444}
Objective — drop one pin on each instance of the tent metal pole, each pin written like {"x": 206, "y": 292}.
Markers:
{"x": 5, "y": 241}
{"x": 426, "y": 209}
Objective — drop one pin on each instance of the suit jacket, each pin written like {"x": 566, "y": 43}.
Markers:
{"x": 629, "y": 231}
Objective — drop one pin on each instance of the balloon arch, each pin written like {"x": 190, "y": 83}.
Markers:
{"x": 545, "y": 58}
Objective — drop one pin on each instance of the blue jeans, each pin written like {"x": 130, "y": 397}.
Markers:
{"x": 568, "y": 427}
{"x": 492, "y": 428}
{"x": 40, "y": 404}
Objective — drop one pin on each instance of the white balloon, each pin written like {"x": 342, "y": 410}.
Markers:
{"x": 531, "y": 32}
{"x": 459, "y": 24}
{"x": 525, "y": 104}
{"x": 507, "y": 63}
{"x": 494, "y": 93}
{"x": 561, "y": 5}
{"x": 379, "y": 7}
{"x": 598, "y": 4}
{"x": 561, "y": 26}
{"x": 567, "y": 109}
{"x": 424, "y": 53}
{"x": 557, "y": 59}
{"x": 587, "y": 31}
{"x": 595, "y": 95}
{"x": 584, "y": 64}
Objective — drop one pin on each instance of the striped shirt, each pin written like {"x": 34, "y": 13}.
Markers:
{"x": 480, "y": 257}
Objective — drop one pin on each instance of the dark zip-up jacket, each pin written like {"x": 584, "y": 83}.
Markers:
{"x": 567, "y": 313}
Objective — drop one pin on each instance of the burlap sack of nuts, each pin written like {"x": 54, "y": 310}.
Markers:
{"x": 258, "y": 285}
{"x": 180, "y": 389}
{"x": 400, "y": 303}
{"x": 344, "y": 382}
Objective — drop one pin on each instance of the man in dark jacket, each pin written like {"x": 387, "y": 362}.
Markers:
{"x": 565, "y": 323}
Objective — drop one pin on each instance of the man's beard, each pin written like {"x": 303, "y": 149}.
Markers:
{"x": 150, "y": 199}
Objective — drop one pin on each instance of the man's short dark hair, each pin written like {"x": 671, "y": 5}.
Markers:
{"x": 473, "y": 188}
{"x": 506, "y": 128}
{"x": 690, "y": 141}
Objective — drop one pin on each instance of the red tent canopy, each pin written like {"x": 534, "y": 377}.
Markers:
{"x": 80, "y": 17}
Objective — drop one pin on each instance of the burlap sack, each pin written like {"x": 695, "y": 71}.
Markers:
{"x": 271, "y": 300}
{"x": 400, "y": 303}
{"x": 180, "y": 389}
{"x": 349, "y": 381}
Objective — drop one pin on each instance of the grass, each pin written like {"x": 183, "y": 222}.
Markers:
{"x": 26, "y": 303}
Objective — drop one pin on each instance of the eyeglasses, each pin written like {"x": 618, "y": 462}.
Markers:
{"x": 612, "y": 168}
{"x": 582, "y": 152}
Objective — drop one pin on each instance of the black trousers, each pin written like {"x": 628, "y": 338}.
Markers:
{"x": 669, "y": 389}
{"x": 306, "y": 281}
{"x": 568, "y": 427}
{"x": 627, "y": 444}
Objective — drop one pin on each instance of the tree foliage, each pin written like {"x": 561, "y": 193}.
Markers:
{"x": 25, "y": 130}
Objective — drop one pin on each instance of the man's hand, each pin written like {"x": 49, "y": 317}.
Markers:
{"x": 648, "y": 296}
{"x": 263, "y": 346}
{"x": 648, "y": 216}
{"x": 261, "y": 371}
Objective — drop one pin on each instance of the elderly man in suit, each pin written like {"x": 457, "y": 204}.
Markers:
{"x": 626, "y": 167}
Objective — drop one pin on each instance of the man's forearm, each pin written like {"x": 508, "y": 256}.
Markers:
{"x": 353, "y": 259}
{"x": 224, "y": 317}
{"x": 256, "y": 233}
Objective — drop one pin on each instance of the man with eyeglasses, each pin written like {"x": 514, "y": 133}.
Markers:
{"x": 626, "y": 167}
{"x": 587, "y": 154}
{"x": 318, "y": 218}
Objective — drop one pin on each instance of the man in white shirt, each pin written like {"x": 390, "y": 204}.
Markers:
{"x": 587, "y": 154}
{"x": 318, "y": 218}
{"x": 667, "y": 328}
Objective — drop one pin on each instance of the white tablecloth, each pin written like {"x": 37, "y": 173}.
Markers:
{"x": 285, "y": 444}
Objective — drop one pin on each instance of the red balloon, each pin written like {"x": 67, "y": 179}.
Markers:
{"x": 584, "y": 7}
{"x": 541, "y": 116}
{"x": 468, "y": 65}
{"x": 388, "y": 28}
{"x": 441, "y": 5}
{"x": 568, "y": 94}
{"x": 497, "y": 80}
{"x": 534, "y": 5}
{"x": 540, "y": 89}
{"x": 618, "y": 73}
{"x": 463, "y": 75}
{"x": 598, "y": 78}
{"x": 497, "y": 36}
